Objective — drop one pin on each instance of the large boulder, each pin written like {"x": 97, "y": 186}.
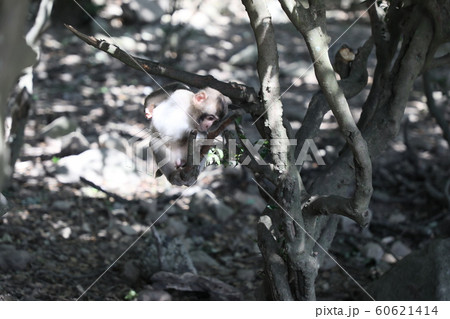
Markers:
{"x": 110, "y": 169}
{"x": 422, "y": 275}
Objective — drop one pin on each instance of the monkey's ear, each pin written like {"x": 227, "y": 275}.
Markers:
{"x": 227, "y": 100}
{"x": 200, "y": 97}
{"x": 149, "y": 111}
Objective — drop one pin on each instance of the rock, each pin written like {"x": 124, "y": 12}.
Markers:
{"x": 119, "y": 211}
{"x": 150, "y": 208}
{"x": 12, "y": 259}
{"x": 191, "y": 191}
{"x": 422, "y": 275}
{"x": 223, "y": 212}
{"x": 327, "y": 263}
{"x": 175, "y": 227}
{"x": 247, "y": 275}
{"x": 127, "y": 230}
{"x": 111, "y": 10}
{"x": 62, "y": 205}
{"x": 177, "y": 258}
{"x": 166, "y": 255}
{"x": 86, "y": 227}
{"x": 154, "y": 295}
{"x": 382, "y": 267}
{"x": 396, "y": 218}
{"x": 3, "y": 205}
{"x": 148, "y": 204}
{"x": 110, "y": 169}
{"x": 145, "y": 11}
{"x": 6, "y": 247}
{"x": 217, "y": 289}
{"x": 131, "y": 272}
{"x": 400, "y": 250}
{"x": 173, "y": 192}
{"x": 387, "y": 240}
{"x": 203, "y": 261}
{"x": 254, "y": 201}
{"x": 325, "y": 286}
{"x": 114, "y": 141}
{"x": 389, "y": 258}
{"x": 65, "y": 232}
{"x": 73, "y": 144}
{"x": 373, "y": 251}
{"x": 205, "y": 199}
{"x": 350, "y": 227}
{"x": 60, "y": 127}
{"x": 193, "y": 242}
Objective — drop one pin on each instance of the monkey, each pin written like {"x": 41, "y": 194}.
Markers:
{"x": 176, "y": 112}
{"x": 156, "y": 97}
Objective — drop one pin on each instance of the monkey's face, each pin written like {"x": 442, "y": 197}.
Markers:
{"x": 205, "y": 122}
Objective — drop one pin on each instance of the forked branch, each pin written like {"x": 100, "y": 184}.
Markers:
{"x": 316, "y": 39}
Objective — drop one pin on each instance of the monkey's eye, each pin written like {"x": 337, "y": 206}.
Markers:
{"x": 210, "y": 118}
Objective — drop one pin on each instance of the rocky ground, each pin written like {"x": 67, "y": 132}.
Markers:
{"x": 83, "y": 222}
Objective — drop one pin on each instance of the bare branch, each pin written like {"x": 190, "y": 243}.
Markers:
{"x": 261, "y": 171}
{"x": 327, "y": 205}
{"x": 386, "y": 35}
{"x": 41, "y": 23}
{"x": 439, "y": 62}
{"x": 236, "y": 92}
{"x": 23, "y": 101}
{"x": 327, "y": 232}
{"x": 14, "y": 56}
{"x": 390, "y": 106}
{"x": 342, "y": 61}
{"x": 275, "y": 267}
{"x": 116, "y": 197}
{"x": 303, "y": 17}
{"x": 268, "y": 70}
{"x": 351, "y": 86}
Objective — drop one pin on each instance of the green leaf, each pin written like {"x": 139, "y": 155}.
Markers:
{"x": 214, "y": 156}
{"x": 131, "y": 295}
{"x": 219, "y": 153}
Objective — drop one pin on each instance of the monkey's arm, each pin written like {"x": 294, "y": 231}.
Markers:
{"x": 162, "y": 157}
{"x": 160, "y": 95}
{"x": 161, "y": 154}
{"x": 188, "y": 174}
{"x": 218, "y": 128}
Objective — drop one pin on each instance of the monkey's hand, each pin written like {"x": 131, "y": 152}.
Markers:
{"x": 186, "y": 176}
{"x": 218, "y": 127}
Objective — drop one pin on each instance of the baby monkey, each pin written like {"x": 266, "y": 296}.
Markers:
{"x": 175, "y": 112}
